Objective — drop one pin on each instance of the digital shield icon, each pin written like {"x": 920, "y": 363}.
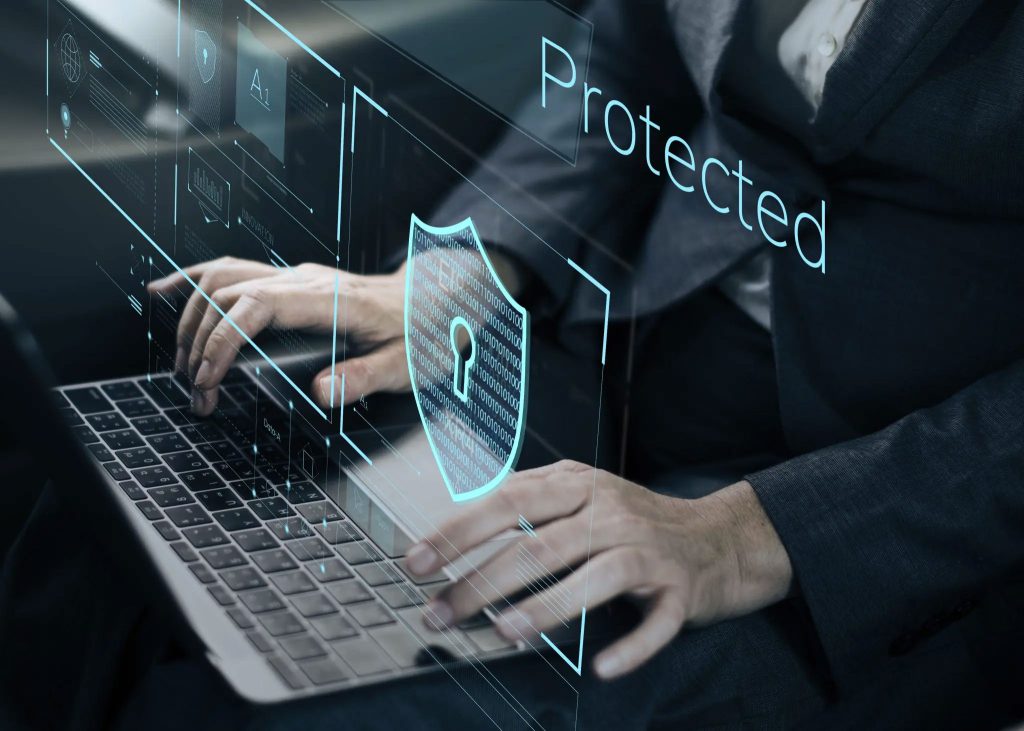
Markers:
{"x": 206, "y": 56}
{"x": 468, "y": 343}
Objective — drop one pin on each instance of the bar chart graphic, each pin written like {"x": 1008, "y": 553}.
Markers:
{"x": 210, "y": 188}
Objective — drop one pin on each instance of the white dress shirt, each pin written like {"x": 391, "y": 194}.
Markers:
{"x": 806, "y": 51}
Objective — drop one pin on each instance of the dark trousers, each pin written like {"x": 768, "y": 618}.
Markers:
{"x": 83, "y": 649}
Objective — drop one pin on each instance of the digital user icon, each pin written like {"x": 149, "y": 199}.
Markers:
{"x": 65, "y": 116}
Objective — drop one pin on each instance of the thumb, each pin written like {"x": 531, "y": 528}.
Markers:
{"x": 383, "y": 369}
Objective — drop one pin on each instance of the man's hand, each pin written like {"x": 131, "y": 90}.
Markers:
{"x": 256, "y": 296}
{"x": 688, "y": 561}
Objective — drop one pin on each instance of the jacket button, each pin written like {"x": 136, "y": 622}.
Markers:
{"x": 902, "y": 644}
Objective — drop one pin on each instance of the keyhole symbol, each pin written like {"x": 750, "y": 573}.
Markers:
{"x": 460, "y": 378}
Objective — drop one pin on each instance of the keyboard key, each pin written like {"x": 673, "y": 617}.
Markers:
{"x": 202, "y": 433}
{"x": 241, "y": 619}
{"x": 89, "y": 400}
{"x": 182, "y": 417}
{"x": 136, "y": 407}
{"x": 317, "y": 513}
{"x": 358, "y": 553}
{"x": 138, "y": 457}
{"x": 322, "y": 672}
{"x": 71, "y": 417}
{"x": 370, "y": 614}
{"x": 237, "y": 519}
{"x": 281, "y": 474}
{"x": 203, "y": 573}
{"x": 222, "y": 596}
{"x": 204, "y": 536}
{"x": 260, "y": 641}
{"x": 224, "y": 557}
{"x": 150, "y": 510}
{"x": 288, "y": 529}
{"x": 132, "y": 490}
{"x": 186, "y": 516}
{"x": 106, "y": 422}
{"x": 116, "y": 471}
{"x": 101, "y": 453}
{"x": 122, "y": 439}
{"x": 293, "y": 583}
{"x": 348, "y": 592}
{"x": 235, "y": 469}
{"x": 283, "y": 623}
{"x": 400, "y": 596}
{"x": 222, "y": 499}
{"x": 201, "y": 480}
{"x": 333, "y": 627}
{"x": 255, "y": 540}
{"x": 338, "y": 532}
{"x": 184, "y": 551}
{"x": 122, "y": 390}
{"x": 253, "y": 489}
{"x": 303, "y": 492}
{"x": 154, "y": 477}
{"x": 62, "y": 400}
{"x": 364, "y": 656}
{"x": 184, "y": 461}
{"x": 378, "y": 574}
{"x": 242, "y": 578}
{"x": 306, "y": 549}
{"x": 292, "y": 677}
{"x": 274, "y": 560}
{"x": 400, "y": 645}
{"x": 421, "y": 580}
{"x": 329, "y": 570}
{"x": 261, "y": 600}
{"x": 166, "y": 443}
{"x": 302, "y": 647}
{"x": 167, "y": 497}
{"x": 164, "y": 392}
{"x": 218, "y": 451}
{"x": 270, "y": 508}
{"x": 85, "y": 435}
{"x": 166, "y": 530}
{"x": 313, "y": 605}
{"x": 150, "y": 425}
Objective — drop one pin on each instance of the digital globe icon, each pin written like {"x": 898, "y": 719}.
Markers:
{"x": 70, "y": 58}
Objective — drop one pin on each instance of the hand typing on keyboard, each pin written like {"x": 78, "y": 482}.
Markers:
{"x": 256, "y": 296}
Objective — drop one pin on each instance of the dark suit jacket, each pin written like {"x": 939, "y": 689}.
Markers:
{"x": 900, "y": 370}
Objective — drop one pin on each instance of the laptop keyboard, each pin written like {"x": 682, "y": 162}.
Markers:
{"x": 304, "y": 584}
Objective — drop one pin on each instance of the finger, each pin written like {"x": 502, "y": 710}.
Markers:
{"x": 247, "y": 318}
{"x": 223, "y": 299}
{"x": 604, "y": 577}
{"x": 556, "y": 548}
{"x": 214, "y": 276}
{"x": 382, "y": 370}
{"x": 177, "y": 280}
{"x": 658, "y": 628}
{"x": 538, "y": 495}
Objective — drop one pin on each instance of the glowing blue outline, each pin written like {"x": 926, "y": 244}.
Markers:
{"x": 517, "y": 445}
{"x": 189, "y": 279}
{"x": 578, "y": 665}
{"x": 607, "y": 304}
{"x": 288, "y": 33}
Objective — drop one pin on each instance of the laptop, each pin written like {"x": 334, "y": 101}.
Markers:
{"x": 286, "y": 573}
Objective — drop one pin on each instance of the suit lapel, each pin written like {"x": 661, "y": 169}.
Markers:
{"x": 704, "y": 31}
{"x": 894, "y": 42}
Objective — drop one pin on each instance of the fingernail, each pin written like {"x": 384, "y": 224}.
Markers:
{"x": 181, "y": 360}
{"x": 514, "y": 625}
{"x": 441, "y": 614}
{"x": 326, "y": 384}
{"x": 198, "y": 401}
{"x": 607, "y": 667}
{"x": 203, "y": 373}
{"x": 421, "y": 559}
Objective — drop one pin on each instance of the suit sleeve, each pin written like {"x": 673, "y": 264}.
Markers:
{"x": 634, "y": 59}
{"x": 896, "y": 535}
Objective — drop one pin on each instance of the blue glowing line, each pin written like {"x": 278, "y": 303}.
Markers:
{"x": 175, "y": 194}
{"x": 334, "y": 335}
{"x": 341, "y": 169}
{"x": 189, "y": 279}
{"x": 288, "y": 33}
{"x": 47, "y": 66}
{"x": 179, "y": 28}
{"x": 356, "y": 93}
{"x": 354, "y": 446}
{"x": 274, "y": 177}
{"x": 578, "y": 665}
{"x": 104, "y": 42}
{"x": 607, "y": 304}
